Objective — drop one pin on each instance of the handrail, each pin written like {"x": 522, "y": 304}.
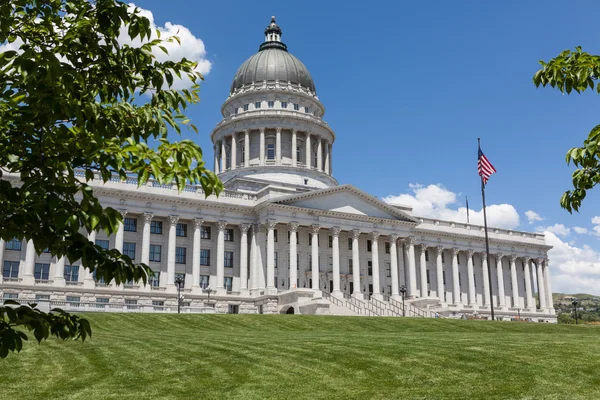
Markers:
{"x": 333, "y": 299}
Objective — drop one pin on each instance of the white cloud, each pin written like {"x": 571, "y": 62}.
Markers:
{"x": 596, "y": 228}
{"x": 557, "y": 229}
{"x": 435, "y": 201}
{"x": 581, "y": 231}
{"x": 532, "y": 216}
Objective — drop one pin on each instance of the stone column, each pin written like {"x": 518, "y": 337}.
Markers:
{"x": 530, "y": 303}
{"x": 2, "y": 244}
{"x": 293, "y": 226}
{"x": 356, "y": 265}
{"x": 246, "y": 148}
{"x": 394, "y": 265}
{"x": 550, "y": 300}
{"x": 455, "y": 286}
{"x": 319, "y": 155}
{"x": 278, "y": 146}
{"x": 486, "y": 282}
{"x": 215, "y": 147}
{"x": 261, "y": 256}
{"x": 253, "y": 259}
{"x": 145, "y": 256}
{"x": 335, "y": 233}
{"x": 412, "y": 268}
{"x": 330, "y": 160}
{"x": 220, "y": 288}
{"x": 375, "y": 265}
{"x": 439, "y": 272}
{"x": 120, "y": 232}
{"x": 88, "y": 280}
{"x": 262, "y": 146}
{"x": 244, "y": 259}
{"x": 271, "y": 287}
{"x": 233, "y": 150}
{"x": 423, "y": 269}
{"x": 308, "y": 157}
{"x": 326, "y": 157}
{"x": 173, "y": 219}
{"x": 223, "y": 155}
{"x": 541, "y": 284}
{"x": 59, "y": 273}
{"x": 500, "y": 279}
{"x": 196, "y": 249}
{"x": 513, "y": 279}
{"x": 471, "y": 279}
{"x": 294, "y": 148}
{"x": 315, "y": 259}
{"x": 28, "y": 278}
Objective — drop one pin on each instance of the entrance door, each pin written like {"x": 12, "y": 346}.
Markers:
{"x": 370, "y": 290}
{"x": 330, "y": 286}
{"x": 351, "y": 287}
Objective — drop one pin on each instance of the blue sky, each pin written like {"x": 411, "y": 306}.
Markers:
{"x": 409, "y": 86}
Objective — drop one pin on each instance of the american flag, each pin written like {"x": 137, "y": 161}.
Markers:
{"x": 484, "y": 167}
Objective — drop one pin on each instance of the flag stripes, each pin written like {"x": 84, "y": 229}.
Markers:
{"x": 484, "y": 167}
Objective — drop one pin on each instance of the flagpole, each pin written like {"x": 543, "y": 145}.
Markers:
{"x": 467, "y": 202}
{"x": 487, "y": 242}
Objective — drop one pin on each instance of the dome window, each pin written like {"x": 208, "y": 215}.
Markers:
{"x": 245, "y": 107}
{"x": 257, "y": 105}
{"x": 306, "y": 110}
{"x": 235, "y": 110}
{"x": 284, "y": 104}
{"x": 271, "y": 104}
{"x": 271, "y": 151}
{"x": 296, "y": 107}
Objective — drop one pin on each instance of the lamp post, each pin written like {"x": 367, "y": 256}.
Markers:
{"x": 519, "y": 312}
{"x": 403, "y": 291}
{"x": 575, "y": 302}
{"x": 179, "y": 281}
{"x": 208, "y": 292}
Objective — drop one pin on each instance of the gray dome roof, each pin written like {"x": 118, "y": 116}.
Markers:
{"x": 273, "y": 63}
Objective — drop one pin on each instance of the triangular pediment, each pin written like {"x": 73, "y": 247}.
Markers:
{"x": 346, "y": 199}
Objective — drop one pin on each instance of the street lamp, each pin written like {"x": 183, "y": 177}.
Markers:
{"x": 403, "y": 291}
{"x": 208, "y": 291}
{"x": 179, "y": 281}
{"x": 575, "y": 302}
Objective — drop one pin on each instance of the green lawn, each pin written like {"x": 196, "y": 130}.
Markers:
{"x": 145, "y": 356}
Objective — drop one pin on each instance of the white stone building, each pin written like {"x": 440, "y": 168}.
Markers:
{"x": 284, "y": 236}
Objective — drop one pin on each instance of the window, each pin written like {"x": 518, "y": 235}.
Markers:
{"x": 306, "y": 110}
{"x": 71, "y": 273}
{"x": 102, "y": 243}
{"x": 296, "y": 107}
{"x": 310, "y": 262}
{"x": 100, "y": 280}
{"x": 7, "y": 296}
{"x": 442, "y": 256}
{"x": 270, "y": 151}
{"x": 330, "y": 241}
{"x": 11, "y": 269}
{"x": 369, "y": 245}
{"x": 349, "y": 265}
{"x": 271, "y": 104}
{"x": 459, "y": 281}
{"x": 444, "y": 277}
{"x": 235, "y": 110}
{"x": 388, "y": 269}
{"x": 41, "y": 271}
{"x": 229, "y": 259}
{"x": 205, "y": 257}
{"x": 349, "y": 243}
{"x": 180, "y": 255}
{"x": 39, "y": 297}
{"x": 205, "y": 232}
{"x": 233, "y": 309}
{"x": 299, "y": 153}
{"x": 131, "y": 224}
{"x": 155, "y": 250}
{"x": 228, "y": 235}
{"x": 257, "y": 105}
{"x": 427, "y": 272}
{"x": 131, "y": 304}
{"x": 387, "y": 247}
{"x": 154, "y": 281}
{"x": 284, "y": 104}
{"x": 158, "y": 303}
{"x": 370, "y": 268}
{"x": 427, "y": 255}
{"x": 245, "y": 107}
{"x": 74, "y": 300}
{"x": 14, "y": 244}
{"x": 276, "y": 258}
{"x": 156, "y": 227}
{"x": 129, "y": 249}
{"x": 227, "y": 283}
{"x": 458, "y": 258}
{"x": 204, "y": 279}
{"x": 181, "y": 230}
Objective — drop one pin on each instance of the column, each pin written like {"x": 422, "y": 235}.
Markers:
{"x": 439, "y": 272}
{"x": 455, "y": 286}
{"x": 59, "y": 272}
{"x": 270, "y": 224}
{"x": 335, "y": 233}
{"x": 294, "y": 148}
{"x": 423, "y": 269}
{"x": 326, "y": 157}
{"x": 308, "y": 157}
{"x": 394, "y": 265}
{"x": 196, "y": 248}
{"x": 486, "y": 281}
{"x": 530, "y": 303}
{"x": 223, "y": 156}
{"x": 88, "y": 280}
{"x": 253, "y": 259}
{"x": 261, "y": 256}
{"x": 278, "y": 146}
{"x": 550, "y": 300}
{"x": 2, "y": 244}
{"x": 262, "y": 146}
{"x": 247, "y": 148}
{"x": 173, "y": 219}
{"x": 319, "y": 155}
{"x": 29, "y": 264}
{"x": 375, "y": 265}
{"x": 330, "y": 172}
{"x": 293, "y": 227}
{"x": 514, "y": 281}
{"x": 500, "y": 279}
{"x": 412, "y": 268}
{"x": 233, "y": 150}
{"x": 220, "y": 288}
{"x": 120, "y": 232}
{"x": 315, "y": 259}
{"x": 145, "y": 256}
{"x": 244, "y": 259}
{"x": 356, "y": 265}
{"x": 541, "y": 284}
{"x": 215, "y": 148}
{"x": 471, "y": 279}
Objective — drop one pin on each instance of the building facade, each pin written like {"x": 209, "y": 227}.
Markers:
{"x": 284, "y": 236}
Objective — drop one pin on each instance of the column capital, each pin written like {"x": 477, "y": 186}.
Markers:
{"x": 221, "y": 225}
{"x": 470, "y": 253}
{"x": 148, "y": 217}
{"x": 198, "y": 222}
{"x": 440, "y": 249}
{"x": 455, "y": 251}
{"x": 315, "y": 228}
{"x": 261, "y": 130}
{"x": 233, "y": 135}
{"x": 335, "y": 231}
{"x": 539, "y": 260}
{"x": 244, "y": 227}
{"x": 499, "y": 256}
{"x": 270, "y": 224}
{"x": 356, "y": 233}
{"x": 293, "y": 225}
{"x": 255, "y": 228}
{"x": 410, "y": 240}
{"x": 123, "y": 212}
{"x": 375, "y": 235}
{"x": 526, "y": 259}
{"x": 173, "y": 219}
{"x": 423, "y": 247}
{"x": 513, "y": 258}
{"x": 278, "y": 129}
{"x": 393, "y": 237}
{"x": 294, "y": 130}
{"x": 262, "y": 228}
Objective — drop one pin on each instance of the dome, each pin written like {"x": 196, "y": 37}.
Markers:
{"x": 272, "y": 63}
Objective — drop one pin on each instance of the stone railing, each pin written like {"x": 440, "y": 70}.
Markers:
{"x": 480, "y": 228}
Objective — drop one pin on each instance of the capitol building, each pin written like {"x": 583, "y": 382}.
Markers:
{"x": 284, "y": 236}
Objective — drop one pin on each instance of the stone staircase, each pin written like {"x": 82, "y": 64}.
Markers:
{"x": 374, "y": 307}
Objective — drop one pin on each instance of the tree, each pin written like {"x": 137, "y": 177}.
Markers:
{"x": 75, "y": 106}
{"x": 576, "y": 70}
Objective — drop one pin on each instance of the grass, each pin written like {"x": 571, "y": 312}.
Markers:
{"x": 137, "y": 356}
